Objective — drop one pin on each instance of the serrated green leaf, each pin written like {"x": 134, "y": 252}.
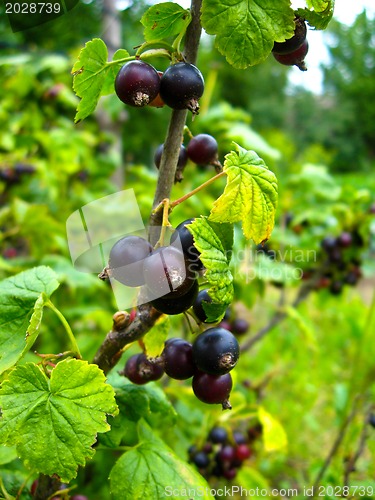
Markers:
{"x": 155, "y": 338}
{"x": 143, "y": 401}
{"x": 20, "y": 303}
{"x": 164, "y": 20}
{"x": 214, "y": 242}
{"x": 151, "y": 471}
{"x": 318, "y": 14}
{"x": 93, "y": 75}
{"x": 274, "y": 436}
{"x": 53, "y": 422}
{"x": 250, "y": 195}
{"x": 246, "y": 31}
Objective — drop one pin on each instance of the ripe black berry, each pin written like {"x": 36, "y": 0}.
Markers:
{"x": 202, "y": 149}
{"x": 213, "y": 389}
{"x": 176, "y": 305}
{"x": 137, "y": 83}
{"x": 139, "y": 370}
{"x": 329, "y": 243}
{"x": 218, "y": 435}
{"x": 216, "y": 351}
{"x": 293, "y": 43}
{"x": 201, "y": 460}
{"x": 336, "y": 287}
{"x": 126, "y": 260}
{"x": 181, "y": 86}
{"x": 166, "y": 273}
{"x": 239, "y": 326}
{"x": 178, "y": 359}
{"x": 182, "y": 157}
{"x": 295, "y": 58}
{"x": 345, "y": 240}
{"x": 226, "y": 454}
{"x": 198, "y": 309}
{"x": 371, "y": 420}
{"x": 187, "y": 244}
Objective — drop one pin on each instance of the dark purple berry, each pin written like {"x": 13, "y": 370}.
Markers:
{"x": 201, "y": 460}
{"x": 198, "y": 309}
{"x": 186, "y": 241}
{"x": 218, "y": 435}
{"x": 137, "y": 83}
{"x": 202, "y": 149}
{"x": 182, "y": 157}
{"x": 181, "y": 86}
{"x": 239, "y": 438}
{"x": 166, "y": 273}
{"x": 293, "y": 43}
{"x": 345, "y": 240}
{"x": 295, "y": 58}
{"x": 176, "y": 305}
{"x": 239, "y": 326}
{"x": 178, "y": 359}
{"x": 226, "y": 454}
{"x": 329, "y": 243}
{"x": 225, "y": 324}
{"x": 126, "y": 260}
{"x": 371, "y": 420}
{"x": 230, "y": 473}
{"x": 216, "y": 351}
{"x": 139, "y": 370}
{"x": 211, "y": 389}
{"x": 336, "y": 287}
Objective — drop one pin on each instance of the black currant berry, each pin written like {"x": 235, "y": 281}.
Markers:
{"x": 166, "y": 273}
{"x": 295, "y": 58}
{"x": 336, "y": 287}
{"x": 239, "y": 437}
{"x": 242, "y": 452}
{"x": 329, "y": 243}
{"x": 352, "y": 277}
{"x": 371, "y": 420}
{"x": 126, "y": 260}
{"x": 218, "y": 435}
{"x": 230, "y": 473}
{"x": 212, "y": 389}
{"x": 139, "y": 370}
{"x": 181, "y": 86}
{"x": 226, "y": 454}
{"x": 345, "y": 240}
{"x": 216, "y": 351}
{"x": 176, "y": 305}
{"x": 293, "y": 43}
{"x": 198, "y": 309}
{"x": 178, "y": 359}
{"x": 201, "y": 460}
{"x": 182, "y": 157}
{"x": 202, "y": 149}
{"x": 137, "y": 83}
{"x": 239, "y": 326}
{"x": 187, "y": 244}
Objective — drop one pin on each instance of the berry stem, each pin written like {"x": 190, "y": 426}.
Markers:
{"x": 66, "y": 325}
{"x": 196, "y": 190}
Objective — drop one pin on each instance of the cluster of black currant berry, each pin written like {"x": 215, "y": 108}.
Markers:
{"x": 139, "y": 84}
{"x": 202, "y": 150}
{"x": 208, "y": 361}
{"x": 340, "y": 262}
{"x": 293, "y": 51}
{"x": 224, "y": 453}
{"x": 15, "y": 174}
{"x": 63, "y": 486}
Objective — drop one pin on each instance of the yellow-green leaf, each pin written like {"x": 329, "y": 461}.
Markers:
{"x": 274, "y": 436}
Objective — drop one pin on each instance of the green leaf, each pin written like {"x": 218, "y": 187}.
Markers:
{"x": 111, "y": 73}
{"x": 53, "y": 422}
{"x": 246, "y": 31}
{"x": 214, "y": 242}
{"x": 164, "y": 20}
{"x": 250, "y": 195}
{"x": 151, "y": 471}
{"x": 93, "y": 75}
{"x": 138, "y": 402}
{"x": 155, "y": 338}
{"x": 274, "y": 437}
{"x": 318, "y": 14}
{"x": 21, "y": 305}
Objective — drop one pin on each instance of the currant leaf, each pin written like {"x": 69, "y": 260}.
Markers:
{"x": 155, "y": 338}
{"x": 250, "y": 196}
{"x": 147, "y": 471}
{"x": 164, "y": 20}
{"x": 273, "y": 433}
{"x": 214, "y": 242}
{"x": 318, "y": 14}
{"x": 22, "y": 299}
{"x": 93, "y": 75}
{"x": 53, "y": 422}
{"x": 245, "y": 31}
